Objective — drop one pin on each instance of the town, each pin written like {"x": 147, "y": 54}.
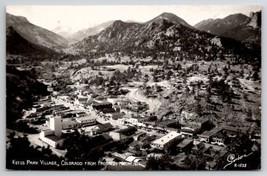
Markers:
{"x": 145, "y": 118}
{"x": 159, "y": 95}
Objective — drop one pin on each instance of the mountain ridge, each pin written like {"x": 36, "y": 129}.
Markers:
{"x": 236, "y": 26}
{"x": 16, "y": 44}
{"x": 33, "y": 33}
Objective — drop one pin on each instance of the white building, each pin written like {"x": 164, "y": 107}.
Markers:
{"x": 166, "y": 141}
{"x": 87, "y": 120}
{"x": 55, "y": 125}
{"x": 53, "y": 136}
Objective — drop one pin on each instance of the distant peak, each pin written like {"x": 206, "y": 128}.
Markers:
{"x": 239, "y": 15}
{"x": 118, "y": 21}
{"x": 166, "y": 14}
{"x": 170, "y": 17}
{"x": 21, "y": 18}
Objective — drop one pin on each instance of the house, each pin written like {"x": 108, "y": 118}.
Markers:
{"x": 118, "y": 136}
{"x": 202, "y": 123}
{"x": 218, "y": 135}
{"x": 103, "y": 141}
{"x": 133, "y": 159}
{"x": 206, "y": 135}
{"x": 70, "y": 124}
{"x": 154, "y": 155}
{"x": 209, "y": 150}
{"x": 167, "y": 141}
{"x": 146, "y": 141}
{"x": 127, "y": 131}
{"x": 115, "y": 115}
{"x": 139, "y": 135}
{"x": 123, "y": 135}
{"x": 87, "y": 120}
{"x": 134, "y": 146}
{"x": 101, "y": 128}
{"x": 190, "y": 130}
{"x": 132, "y": 120}
{"x": 101, "y": 105}
{"x": 96, "y": 129}
{"x": 185, "y": 146}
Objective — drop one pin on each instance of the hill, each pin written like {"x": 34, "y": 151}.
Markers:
{"x": 22, "y": 90}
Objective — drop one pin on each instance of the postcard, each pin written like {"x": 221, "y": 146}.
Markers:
{"x": 133, "y": 87}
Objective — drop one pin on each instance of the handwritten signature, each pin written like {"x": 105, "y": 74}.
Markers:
{"x": 232, "y": 158}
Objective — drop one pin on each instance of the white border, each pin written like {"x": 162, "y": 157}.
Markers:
{"x": 3, "y": 4}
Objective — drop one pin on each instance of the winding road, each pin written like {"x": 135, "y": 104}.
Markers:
{"x": 135, "y": 95}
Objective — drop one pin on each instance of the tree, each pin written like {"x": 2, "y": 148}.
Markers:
{"x": 162, "y": 163}
{"x": 255, "y": 76}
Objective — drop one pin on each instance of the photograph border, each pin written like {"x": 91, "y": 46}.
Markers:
{"x": 133, "y": 2}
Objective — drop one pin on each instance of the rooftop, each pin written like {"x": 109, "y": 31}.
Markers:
{"x": 127, "y": 130}
{"x": 170, "y": 136}
{"x": 53, "y": 138}
{"x": 88, "y": 117}
{"x": 184, "y": 143}
{"x": 211, "y": 132}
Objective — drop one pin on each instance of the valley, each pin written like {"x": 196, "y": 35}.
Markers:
{"x": 139, "y": 93}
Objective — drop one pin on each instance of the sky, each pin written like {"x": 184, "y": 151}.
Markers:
{"x": 74, "y": 18}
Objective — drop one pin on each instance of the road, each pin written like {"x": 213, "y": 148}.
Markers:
{"x": 135, "y": 95}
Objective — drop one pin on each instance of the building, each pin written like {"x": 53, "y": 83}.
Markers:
{"x": 55, "y": 125}
{"x": 167, "y": 141}
{"x": 139, "y": 135}
{"x": 190, "y": 131}
{"x": 86, "y": 120}
{"x": 127, "y": 131}
{"x": 123, "y": 135}
{"x": 70, "y": 124}
{"x": 101, "y": 105}
{"x": 206, "y": 135}
{"x": 116, "y": 136}
{"x": 96, "y": 129}
{"x": 185, "y": 146}
{"x": 52, "y": 136}
{"x": 82, "y": 100}
{"x": 115, "y": 115}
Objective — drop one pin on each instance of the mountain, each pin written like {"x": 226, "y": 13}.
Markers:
{"x": 170, "y": 17}
{"x": 115, "y": 36}
{"x": 160, "y": 35}
{"x": 164, "y": 32}
{"x": 255, "y": 19}
{"x": 16, "y": 44}
{"x": 219, "y": 26}
{"x": 122, "y": 35}
{"x": 34, "y": 34}
{"x": 78, "y": 36}
{"x": 206, "y": 23}
{"x": 63, "y": 31}
{"x": 236, "y": 26}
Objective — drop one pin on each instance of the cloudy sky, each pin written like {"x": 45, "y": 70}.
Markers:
{"x": 74, "y": 18}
